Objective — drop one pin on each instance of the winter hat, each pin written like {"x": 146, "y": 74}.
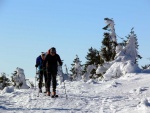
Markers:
{"x": 53, "y": 50}
{"x": 42, "y": 53}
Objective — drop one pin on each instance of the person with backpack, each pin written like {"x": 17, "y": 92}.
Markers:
{"x": 52, "y": 59}
{"x": 41, "y": 71}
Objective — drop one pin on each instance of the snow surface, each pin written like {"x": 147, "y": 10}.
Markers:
{"x": 127, "y": 94}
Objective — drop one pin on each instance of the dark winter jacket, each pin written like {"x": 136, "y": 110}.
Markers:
{"x": 52, "y": 63}
{"x": 40, "y": 63}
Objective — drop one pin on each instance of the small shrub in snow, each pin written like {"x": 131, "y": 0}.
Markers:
{"x": 4, "y": 81}
{"x": 18, "y": 79}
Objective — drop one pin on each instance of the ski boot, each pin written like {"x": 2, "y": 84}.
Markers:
{"x": 54, "y": 95}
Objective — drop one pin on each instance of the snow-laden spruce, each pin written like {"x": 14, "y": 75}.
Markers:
{"x": 19, "y": 80}
{"x": 61, "y": 76}
{"x": 87, "y": 74}
{"x": 110, "y": 24}
{"x": 125, "y": 61}
{"x": 76, "y": 69}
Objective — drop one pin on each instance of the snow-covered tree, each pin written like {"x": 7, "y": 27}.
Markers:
{"x": 109, "y": 42}
{"x": 132, "y": 34}
{"x": 76, "y": 69}
{"x": 4, "y": 81}
{"x": 126, "y": 60}
{"x": 130, "y": 51}
{"x": 101, "y": 69}
{"x": 110, "y": 27}
{"x": 146, "y": 66}
{"x": 93, "y": 58}
{"x": 66, "y": 73}
{"x": 87, "y": 75}
{"x": 109, "y": 48}
{"x": 119, "y": 48}
{"x": 61, "y": 75}
{"x": 18, "y": 79}
{"x": 30, "y": 83}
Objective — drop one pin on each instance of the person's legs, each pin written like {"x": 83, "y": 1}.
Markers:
{"x": 48, "y": 83}
{"x": 54, "y": 82}
{"x": 45, "y": 79}
{"x": 40, "y": 81}
{"x": 53, "y": 78}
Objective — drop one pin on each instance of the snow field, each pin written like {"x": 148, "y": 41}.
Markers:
{"x": 128, "y": 94}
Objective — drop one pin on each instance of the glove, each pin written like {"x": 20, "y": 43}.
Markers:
{"x": 36, "y": 65}
{"x": 61, "y": 63}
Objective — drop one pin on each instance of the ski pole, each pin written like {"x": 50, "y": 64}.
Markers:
{"x": 64, "y": 84}
{"x": 65, "y": 90}
{"x": 35, "y": 82}
{"x": 38, "y": 82}
{"x": 35, "y": 79}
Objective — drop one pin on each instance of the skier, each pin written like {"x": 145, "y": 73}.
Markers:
{"x": 41, "y": 71}
{"x": 52, "y": 61}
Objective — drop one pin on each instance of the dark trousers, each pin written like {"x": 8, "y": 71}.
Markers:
{"x": 42, "y": 73}
{"x": 51, "y": 77}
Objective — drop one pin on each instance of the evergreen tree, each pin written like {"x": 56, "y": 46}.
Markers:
{"x": 76, "y": 69}
{"x": 4, "y": 81}
{"x": 146, "y": 66}
{"x": 93, "y": 58}
{"x": 132, "y": 41}
{"x": 110, "y": 27}
{"x": 130, "y": 51}
{"x": 109, "y": 42}
{"x": 66, "y": 69}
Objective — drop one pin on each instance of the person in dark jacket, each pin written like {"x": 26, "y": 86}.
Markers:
{"x": 52, "y": 59}
{"x": 41, "y": 70}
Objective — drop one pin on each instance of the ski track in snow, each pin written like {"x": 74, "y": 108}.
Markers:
{"x": 124, "y": 95}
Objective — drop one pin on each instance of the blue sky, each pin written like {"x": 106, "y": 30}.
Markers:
{"x": 28, "y": 27}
